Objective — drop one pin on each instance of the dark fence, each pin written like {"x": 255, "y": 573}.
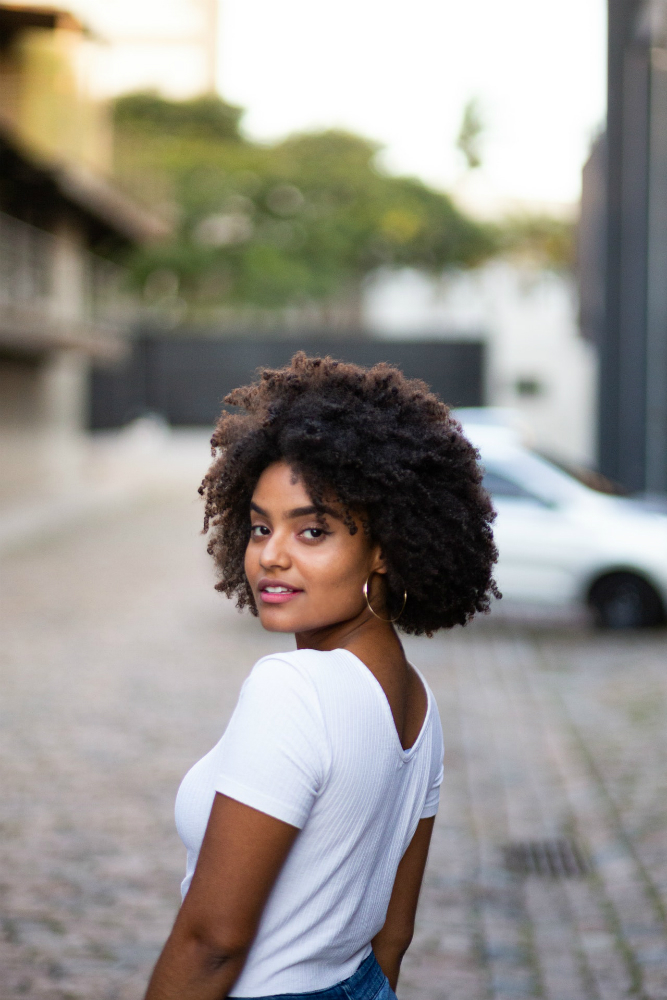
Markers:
{"x": 185, "y": 379}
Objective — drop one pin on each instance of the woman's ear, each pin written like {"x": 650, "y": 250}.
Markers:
{"x": 377, "y": 561}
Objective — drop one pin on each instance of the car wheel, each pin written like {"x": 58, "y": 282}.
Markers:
{"x": 623, "y": 600}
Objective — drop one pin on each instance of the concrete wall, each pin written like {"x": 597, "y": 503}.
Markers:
{"x": 42, "y": 401}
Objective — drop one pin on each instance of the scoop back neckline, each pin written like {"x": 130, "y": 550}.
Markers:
{"x": 405, "y": 754}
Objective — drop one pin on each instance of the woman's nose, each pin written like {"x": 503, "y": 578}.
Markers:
{"x": 275, "y": 552}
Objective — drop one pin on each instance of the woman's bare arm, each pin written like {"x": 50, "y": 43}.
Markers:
{"x": 241, "y": 856}
{"x": 392, "y": 942}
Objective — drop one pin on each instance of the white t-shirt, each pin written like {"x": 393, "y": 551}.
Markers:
{"x": 312, "y": 742}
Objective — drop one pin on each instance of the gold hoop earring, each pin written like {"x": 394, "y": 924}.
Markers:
{"x": 368, "y": 603}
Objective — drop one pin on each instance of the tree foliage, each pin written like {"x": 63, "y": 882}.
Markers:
{"x": 543, "y": 240}
{"x": 302, "y": 220}
{"x": 471, "y": 133}
{"x": 205, "y": 116}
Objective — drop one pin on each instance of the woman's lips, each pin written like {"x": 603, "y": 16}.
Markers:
{"x": 277, "y": 593}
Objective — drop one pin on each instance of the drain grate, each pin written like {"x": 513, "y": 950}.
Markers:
{"x": 558, "y": 858}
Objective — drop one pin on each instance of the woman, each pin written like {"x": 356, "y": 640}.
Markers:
{"x": 344, "y": 502}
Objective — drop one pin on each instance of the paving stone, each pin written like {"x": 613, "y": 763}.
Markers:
{"x": 119, "y": 667}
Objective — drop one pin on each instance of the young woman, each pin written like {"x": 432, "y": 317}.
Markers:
{"x": 345, "y": 503}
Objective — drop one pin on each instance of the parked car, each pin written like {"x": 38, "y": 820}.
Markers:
{"x": 561, "y": 542}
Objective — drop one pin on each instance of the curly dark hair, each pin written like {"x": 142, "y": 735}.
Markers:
{"x": 390, "y": 452}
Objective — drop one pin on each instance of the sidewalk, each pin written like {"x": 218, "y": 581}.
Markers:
{"x": 119, "y": 467}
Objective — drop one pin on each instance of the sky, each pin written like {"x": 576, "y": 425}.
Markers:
{"x": 401, "y": 73}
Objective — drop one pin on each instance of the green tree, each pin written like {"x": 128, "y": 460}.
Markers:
{"x": 299, "y": 221}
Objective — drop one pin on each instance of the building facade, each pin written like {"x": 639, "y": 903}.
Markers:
{"x": 61, "y": 302}
{"x": 632, "y": 269}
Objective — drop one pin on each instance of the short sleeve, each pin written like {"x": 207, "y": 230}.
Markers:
{"x": 437, "y": 772}
{"x": 274, "y": 753}
{"x": 433, "y": 796}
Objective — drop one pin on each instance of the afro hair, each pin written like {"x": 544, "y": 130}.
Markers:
{"x": 390, "y": 452}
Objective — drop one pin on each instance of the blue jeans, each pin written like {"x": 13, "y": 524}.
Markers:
{"x": 367, "y": 983}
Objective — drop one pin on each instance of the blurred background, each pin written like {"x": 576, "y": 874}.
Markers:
{"x": 476, "y": 192}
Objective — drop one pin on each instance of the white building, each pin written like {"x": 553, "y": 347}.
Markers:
{"x": 538, "y": 364}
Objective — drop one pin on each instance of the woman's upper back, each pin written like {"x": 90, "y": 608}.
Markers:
{"x": 314, "y": 731}
{"x": 312, "y": 742}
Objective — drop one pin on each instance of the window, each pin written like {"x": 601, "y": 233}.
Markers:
{"x": 500, "y": 486}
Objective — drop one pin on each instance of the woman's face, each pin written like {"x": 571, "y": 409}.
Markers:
{"x": 305, "y": 569}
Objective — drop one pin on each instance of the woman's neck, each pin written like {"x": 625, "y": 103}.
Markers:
{"x": 378, "y": 647}
{"x": 365, "y": 636}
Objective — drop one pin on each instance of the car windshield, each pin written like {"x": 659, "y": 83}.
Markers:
{"x": 500, "y": 486}
{"x": 523, "y": 475}
{"x": 591, "y": 478}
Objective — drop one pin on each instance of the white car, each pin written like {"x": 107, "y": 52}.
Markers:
{"x": 561, "y": 542}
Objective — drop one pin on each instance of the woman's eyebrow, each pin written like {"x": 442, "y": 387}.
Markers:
{"x": 299, "y": 511}
{"x": 312, "y": 509}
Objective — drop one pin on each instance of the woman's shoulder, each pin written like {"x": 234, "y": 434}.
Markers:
{"x": 294, "y": 669}
{"x": 293, "y": 662}
{"x": 306, "y": 673}
{"x": 279, "y": 687}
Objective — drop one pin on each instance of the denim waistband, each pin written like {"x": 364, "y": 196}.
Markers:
{"x": 364, "y": 984}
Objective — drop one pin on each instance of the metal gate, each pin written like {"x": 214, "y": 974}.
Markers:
{"x": 185, "y": 379}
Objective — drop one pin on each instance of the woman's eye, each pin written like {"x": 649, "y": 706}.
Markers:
{"x": 259, "y": 531}
{"x": 313, "y": 533}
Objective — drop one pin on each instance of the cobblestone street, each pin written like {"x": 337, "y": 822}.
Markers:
{"x": 119, "y": 667}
